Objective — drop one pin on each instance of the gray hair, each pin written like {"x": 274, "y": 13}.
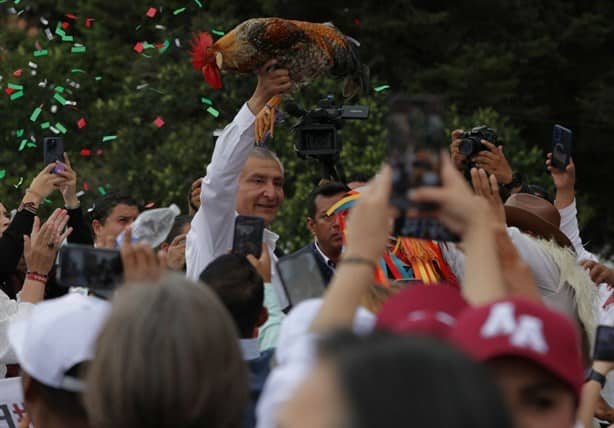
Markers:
{"x": 262, "y": 152}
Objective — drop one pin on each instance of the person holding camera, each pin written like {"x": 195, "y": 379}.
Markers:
{"x": 240, "y": 179}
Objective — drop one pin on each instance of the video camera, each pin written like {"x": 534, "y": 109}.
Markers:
{"x": 318, "y": 131}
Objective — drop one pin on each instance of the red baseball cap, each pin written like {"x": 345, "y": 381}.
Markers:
{"x": 425, "y": 309}
{"x": 522, "y": 328}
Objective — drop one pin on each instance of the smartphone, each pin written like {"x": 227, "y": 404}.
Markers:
{"x": 561, "y": 146}
{"x": 604, "y": 344}
{"x": 98, "y": 269}
{"x": 248, "y": 236}
{"x": 416, "y": 137}
{"x": 53, "y": 150}
{"x": 300, "y": 277}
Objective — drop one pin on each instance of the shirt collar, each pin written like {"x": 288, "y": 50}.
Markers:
{"x": 270, "y": 238}
{"x": 250, "y": 348}
{"x": 327, "y": 259}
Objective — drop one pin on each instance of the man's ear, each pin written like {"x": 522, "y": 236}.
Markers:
{"x": 263, "y": 316}
{"x": 311, "y": 225}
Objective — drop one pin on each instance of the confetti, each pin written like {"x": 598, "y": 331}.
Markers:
{"x": 179, "y": 11}
{"x": 198, "y": 3}
{"x": 102, "y": 191}
{"x": 78, "y": 49}
{"x": 16, "y": 95}
{"x": 19, "y": 183}
{"x": 60, "y": 99}
{"x": 61, "y": 128}
{"x": 159, "y": 122}
{"x": 381, "y": 88}
{"x": 45, "y": 125}
{"x": 42, "y": 52}
{"x": 86, "y": 186}
{"x": 80, "y": 193}
{"x": 89, "y": 22}
{"x": 152, "y": 12}
{"x": 107, "y": 138}
{"x": 2, "y": 173}
{"x": 213, "y": 112}
{"x": 15, "y": 86}
{"x": 206, "y": 101}
{"x": 78, "y": 70}
{"x": 71, "y": 16}
{"x": 19, "y": 132}
{"x": 150, "y": 205}
{"x": 85, "y": 152}
{"x": 37, "y": 111}
{"x": 164, "y": 47}
{"x": 217, "y": 32}
{"x": 81, "y": 123}
{"x": 138, "y": 47}
{"x": 17, "y": 73}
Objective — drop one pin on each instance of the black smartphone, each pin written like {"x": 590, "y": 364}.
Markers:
{"x": 416, "y": 137}
{"x": 300, "y": 277}
{"x": 248, "y": 236}
{"x": 561, "y": 146}
{"x": 98, "y": 269}
{"x": 604, "y": 344}
{"x": 53, "y": 150}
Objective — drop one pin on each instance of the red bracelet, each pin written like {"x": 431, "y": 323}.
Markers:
{"x": 33, "y": 276}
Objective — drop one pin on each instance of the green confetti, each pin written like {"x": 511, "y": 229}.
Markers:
{"x": 178, "y": 11}
{"x": 59, "y": 89}
{"x": 68, "y": 39}
{"x": 198, "y": 3}
{"x": 19, "y": 183}
{"x": 60, "y": 99}
{"x": 2, "y": 173}
{"x": 45, "y": 125}
{"x": 15, "y": 86}
{"x": 138, "y": 27}
{"x": 165, "y": 47}
{"x": 206, "y": 101}
{"x": 381, "y": 88}
{"x": 217, "y": 32}
{"x": 22, "y": 145}
{"x": 147, "y": 45}
{"x": 98, "y": 78}
{"x": 102, "y": 191}
{"x": 213, "y": 112}
{"x": 37, "y": 111}
{"x": 60, "y": 128}
{"x": 59, "y": 31}
{"x": 78, "y": 49}
{"x": 16, "y": 95}
{"x": 107, "y": 138}
{"x": 41, "y": 52}
{"x": 47, "y": 201}
{"x": 78, "y": 70}
{"x": 19, "y": 132}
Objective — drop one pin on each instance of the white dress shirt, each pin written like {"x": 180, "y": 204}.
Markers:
{"x": 213, "y": 224}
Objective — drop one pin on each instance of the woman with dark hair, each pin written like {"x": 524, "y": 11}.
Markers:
{"x": 168, "y": 357}
{"x": 385, "y": 381}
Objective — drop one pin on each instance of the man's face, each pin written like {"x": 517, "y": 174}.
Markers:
{"x": 260, "y": 189}
{"x": 534, "y": 397}
{"x": 5, "y": 219}
{"x": 121, "y": 216}
{"x": 325, "y": 228}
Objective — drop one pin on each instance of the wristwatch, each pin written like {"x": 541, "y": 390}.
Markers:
{"x": 596, "y": 376}
{"x": 516, "y": 182}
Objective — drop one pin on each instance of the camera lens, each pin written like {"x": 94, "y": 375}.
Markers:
{"x": 466, "y": 147}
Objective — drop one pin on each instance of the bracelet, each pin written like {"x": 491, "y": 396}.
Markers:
{"x": 30, "y": 207}
{"x": 359, "y": 261}
{"x": 34, "y": 276}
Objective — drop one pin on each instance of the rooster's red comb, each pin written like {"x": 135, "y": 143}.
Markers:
{"x": 199, "y": 44}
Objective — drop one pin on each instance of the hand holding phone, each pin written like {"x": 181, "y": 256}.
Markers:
{"x": 561, "y": 147}
{"x": 248, "y": 235}
{"x": 53, "y": 151}
{"x": 98, "y": 269}
{"x": 604, "y": 344}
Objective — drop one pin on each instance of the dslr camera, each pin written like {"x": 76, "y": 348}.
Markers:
{"x": 471, "y": 143}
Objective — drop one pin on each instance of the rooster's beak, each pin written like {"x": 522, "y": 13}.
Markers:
{"x": 219, "y": 60}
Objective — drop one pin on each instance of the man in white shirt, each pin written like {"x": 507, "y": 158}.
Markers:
{"x": 240, "y": 179}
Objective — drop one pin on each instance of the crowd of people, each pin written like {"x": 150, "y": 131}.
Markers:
{"x": 500, "y": 335}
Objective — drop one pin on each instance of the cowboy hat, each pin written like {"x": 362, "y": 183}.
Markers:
{"x": 533, "y": 214}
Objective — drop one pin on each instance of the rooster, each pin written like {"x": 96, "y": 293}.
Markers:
{"x": 305, "y": 49}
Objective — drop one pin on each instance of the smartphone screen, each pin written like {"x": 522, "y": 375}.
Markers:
{"x": 248, "y": 236}
{"x": 604, "y": 344}
{"x": 417, "y": 135}
{"x": 301, "y": 277}
{"x": 561, "y": 146}
{"x": 93, "y": 268}
{"x": 53, "y": 150}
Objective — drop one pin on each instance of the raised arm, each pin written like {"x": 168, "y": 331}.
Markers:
{"x": 212, "y": 226}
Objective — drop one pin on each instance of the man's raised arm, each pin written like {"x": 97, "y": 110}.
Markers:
{"x": 212, "y": 226}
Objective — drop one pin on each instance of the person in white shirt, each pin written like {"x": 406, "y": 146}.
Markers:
{"x": 241, "y": 179}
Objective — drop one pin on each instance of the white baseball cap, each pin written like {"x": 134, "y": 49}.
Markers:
{"x": 58, "y": 334}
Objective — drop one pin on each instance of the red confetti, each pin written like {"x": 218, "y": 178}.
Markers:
{"x": 357, "y": 22}
{"x": 85, "y": 152}
{"x": 65, "y": 25}
{"x": 17, "y": 73}
{"x": 150, "y": 205}
{"x": 86, "y": 186}
{"x": 89, "y": 22}
{"x": 38, "y": 46}
{"x": 81, "y": 123}
{"x": 9, "y": 91}
{"x": 71, "y": 16}
{"x": 152, "y": 12}
{"x": 99, "y": 152}
{"x": 139, "y": 47}
{"x": 159, "y": 122}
